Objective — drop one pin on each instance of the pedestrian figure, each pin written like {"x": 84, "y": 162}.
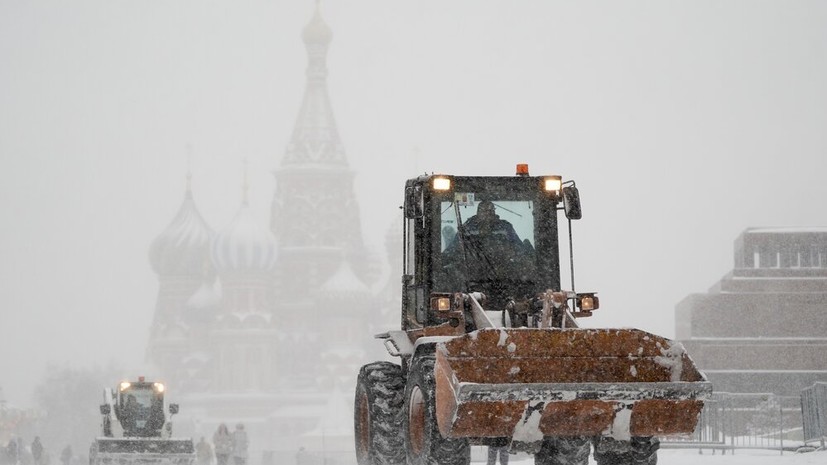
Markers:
{"x": 495, "y": 450}
{"x": 239, "y": 445}
{"x": 66, "y": 455}
{"x": 37, "y": 451}
{"x": 301, "y": 456}
{"x": 11, "y": 451}
{"x": 223, "y": 443}
{"x": 203, "y": 452}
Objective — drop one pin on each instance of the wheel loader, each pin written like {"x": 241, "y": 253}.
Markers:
{"x": 490, "y": 351}
{"x": 135, "y": 429}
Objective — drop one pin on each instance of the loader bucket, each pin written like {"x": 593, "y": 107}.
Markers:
{"x": 126, "y": 451}
{"x": 527, "y": 383}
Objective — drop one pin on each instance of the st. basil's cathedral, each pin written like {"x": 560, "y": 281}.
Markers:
{"x": 267, "y": 325}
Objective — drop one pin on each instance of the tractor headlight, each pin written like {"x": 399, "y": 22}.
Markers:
{"x": 553, "y": 184}
{"x": 441, "y": 303}
{"x": 124, "y": 385}
{"x": 587, "y": 302}
{"x": 441, "y": 183}
{"x": 159, "y": 387}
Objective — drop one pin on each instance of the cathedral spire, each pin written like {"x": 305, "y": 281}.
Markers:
{"x": 315, "y": 216}
{"x": 315, "y": 137}
{"x": 245, "y": 185}
{"x": 189, "y": 172}
{"x": 188, "y": 192}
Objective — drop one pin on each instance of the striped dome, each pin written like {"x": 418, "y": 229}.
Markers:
{"x": 244, "y": 245}
{"x": 183, "y": 248}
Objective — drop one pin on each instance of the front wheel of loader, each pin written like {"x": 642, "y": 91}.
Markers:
{"x": 380, "y": 388}
{"x": 563, "y": 451}
{"x": 637, "y": 451}
{"x": 424, "y": 445}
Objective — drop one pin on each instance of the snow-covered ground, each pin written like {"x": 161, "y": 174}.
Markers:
{"x": 741, "y": 457}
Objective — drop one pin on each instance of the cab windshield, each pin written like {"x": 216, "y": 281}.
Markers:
{"x": 139, "y": 409}
{"x": 487, "y": 245}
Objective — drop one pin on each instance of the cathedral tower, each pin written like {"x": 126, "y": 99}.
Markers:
{"x": 261, "y": 324}
{"x": 243, "y": 336}
{"x": 180, "y": 256}
{"x": 314, "y": 211}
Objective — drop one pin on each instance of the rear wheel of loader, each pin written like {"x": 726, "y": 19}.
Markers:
{"x": 563, "y": 451}
{"x": 424, "y": 445}
{"x": 637, "y": 451}
{"x": 380, "y": 388}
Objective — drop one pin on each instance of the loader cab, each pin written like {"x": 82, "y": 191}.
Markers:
{"x": 139, "y": 407}
{"x": 496, "y": 235}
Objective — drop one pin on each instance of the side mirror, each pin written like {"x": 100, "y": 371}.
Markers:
{"x": 105, "y": 409}
{"x": 410, "y": 209}
{"x": 413, "y": 202}
{"x": 571, "y": 203}
{"x": 173, "y": 409}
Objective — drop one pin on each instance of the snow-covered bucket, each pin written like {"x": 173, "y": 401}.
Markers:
{"x": 525, "y": 384}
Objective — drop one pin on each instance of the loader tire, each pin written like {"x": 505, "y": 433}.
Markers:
{"x": 424, "y": 445}
{"x": 637, "y": 451}
{"x": 380, "y": 388}
{"x": 563, "y": 451}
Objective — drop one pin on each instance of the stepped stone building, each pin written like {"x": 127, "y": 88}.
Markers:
{"x": 763, "y": 326}
{"x": 268, "y": 326}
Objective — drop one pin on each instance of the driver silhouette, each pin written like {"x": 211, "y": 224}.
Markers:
{"x": 487, "y": 223}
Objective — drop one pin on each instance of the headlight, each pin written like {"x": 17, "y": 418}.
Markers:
{"x": 553, "y": 183}
{"x": 124, "y": 385}
{"x": 587, "y": 302}
{"x": 441, "y": 304}
{"x": 442, "y": 183}
{"x": 158, "y": 387}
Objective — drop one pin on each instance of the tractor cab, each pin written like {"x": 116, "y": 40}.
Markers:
{"x": 494, "y": 235}
{"x": 139, "y": 408}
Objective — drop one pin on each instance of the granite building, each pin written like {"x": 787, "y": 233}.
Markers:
{"x": 763, "y": 326}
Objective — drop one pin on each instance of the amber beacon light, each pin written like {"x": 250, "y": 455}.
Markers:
{"x": 522, "y": 169}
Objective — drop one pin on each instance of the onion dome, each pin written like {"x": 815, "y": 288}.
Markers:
{"x": 184, "y": 246}
{"x": 317, "y": 31}
{"x": 244, "y": 245}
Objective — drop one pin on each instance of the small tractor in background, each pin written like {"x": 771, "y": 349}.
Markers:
{"x": 135, "y": 428}
{"x": 490, "y": 350}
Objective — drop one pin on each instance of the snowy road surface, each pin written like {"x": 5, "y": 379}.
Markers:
{"x": 741, "y": 457}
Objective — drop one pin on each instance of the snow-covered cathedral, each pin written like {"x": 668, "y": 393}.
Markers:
{"x": 268, "y": 326}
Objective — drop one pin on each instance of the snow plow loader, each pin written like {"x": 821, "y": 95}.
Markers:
{"x": 490, "y": 349}
{"x": 140, "y": 432}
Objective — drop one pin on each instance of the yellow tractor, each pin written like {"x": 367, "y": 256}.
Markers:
{"x": 490, "y": 350}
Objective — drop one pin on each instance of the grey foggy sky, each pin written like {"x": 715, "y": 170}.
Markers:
{"x": 683, "y": 124}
